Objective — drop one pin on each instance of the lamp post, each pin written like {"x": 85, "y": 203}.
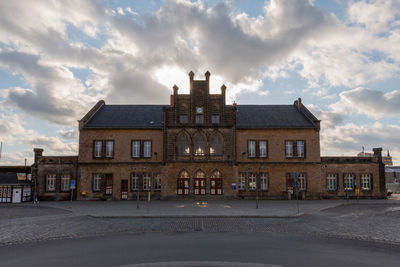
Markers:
{"x": 295, "y": 175}
{"x": 257, "y": 183}
{"x": 137, "y": 186}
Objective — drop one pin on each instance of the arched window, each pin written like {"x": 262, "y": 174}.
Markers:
{"x": 183, "y": 145}
{"x": 183, "y": 183}
{"x": 216, "y": 174}
{"x": 215, "y": 145}
{"x": 184, "y": 174}
{"x": 216, "y": 183}
{"x": 199, "y": 174}
{"x": 199, "y": 145}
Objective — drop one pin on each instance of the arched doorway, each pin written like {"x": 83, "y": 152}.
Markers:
{"x": 216, "y": 183}
{"x": 199, "y": 180}
{"x": 183, "y": 183}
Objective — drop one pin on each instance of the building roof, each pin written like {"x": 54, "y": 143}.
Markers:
{"x": 151, "y": 116}
{"x": 11, "y": 178}
{"x": 272, "y": 116}
{"x": 127, "y": 116}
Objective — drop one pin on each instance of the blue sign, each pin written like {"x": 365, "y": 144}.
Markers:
{"x": 73, "y": 184}
{"x": 233, "y": 186}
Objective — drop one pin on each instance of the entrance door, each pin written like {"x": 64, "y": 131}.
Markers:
{"x": 17, "y": 194}
{"x": 109, "y": 184}
{"x": 215, "y": 186}
{"x": 199, "y": 186}
{"x": 124, "y": 189}
{"x": 183, "y": 186}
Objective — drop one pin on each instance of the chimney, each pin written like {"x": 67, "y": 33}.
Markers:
{"x": 38, "y": 152}
{"x": 207, "y": 74}
{"x": 176, "y": 88}
{"x": 377, "y": 152}
{"x": 191, "y": 75}
{"x": 299, "y": 103}
{"x": 223, "y": 91}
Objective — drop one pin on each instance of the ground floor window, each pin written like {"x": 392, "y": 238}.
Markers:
{"x": 252, "y": 182}
{"x": 365, "y": 181}
{"x": 157, "y": 182}
{"x": 183, "y": 183}
{"x": 264, "y": 181}
{"x": 302, "y": 182}
{"x": 5, "y": 193}
{"x": 242, "y": 182}
{"x": 332, "y": 181}
{"x": 134, "y": 181}
{"x": 146, "y": 182}
{"x": 51, "y": 182}
{"x": 96, "y": 182}
{"x": 65, "y": 182}
{"x": 348, "y": 181}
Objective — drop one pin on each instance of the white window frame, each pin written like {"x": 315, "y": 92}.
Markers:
{"x": 65, "y": 182}
{"x": 252, "y": 182}
{"x": 302, "y": 182}
{"x": 109, "y": 149}
{"x": 348, "y": 180}
{"x": 96, "y": 186}
{"x": 251, "y": 148}
{"x": 262, "y": 148}
{"x": 264, "y": 181}
{"x": 134, "y": 181}
{"x": 157, "y": 182}
{"x": 136, "y": 149}
{"x": 300, "y": 148}
{"x": 98, "y": 147}
{"x": 146, "y": 182}
{"x": 331, "y": 181}
{"x": 147, "y": 149}
{"x": 242, "y": 182}
{"x": 289, "y": 149}
{"x": 51, "y": 182}
{"x": 365, "y": 181}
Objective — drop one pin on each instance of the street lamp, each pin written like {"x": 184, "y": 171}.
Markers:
{"x": 257, "y": 183}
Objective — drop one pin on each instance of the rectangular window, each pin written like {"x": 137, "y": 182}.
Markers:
{"x": 51, "y": 182}
{"x": 242, "y": 182}
{"x": 146, "y": 182}
{"x": 65, "y": 182}
{"x": 365, "y": 181}
{"x": 348, "y": 181}
{"x": 332, "y": 182}
{"x": 147, "y": 149}
{"x": 264, "y": 181}
{"x": 97, "y": 182}
{"x": 252, "y": 182}
{"x": 301, "y": 182}
{"x": 262, "y": 147}
{"x": 199, "y": 119}
{"x": 183, "y": 119}
{"x": 300, "y": 148}
{"x": 134, "y": 181}
{"x": 136, "y": 149}
{"x": 109, "y": 149}
{"x": 251, "y": 148}
{"x": 289, "y": 149}
{"x": 215, "y": 119}
{"x": 157, "y": 182}
{"x": 98, "y": 146}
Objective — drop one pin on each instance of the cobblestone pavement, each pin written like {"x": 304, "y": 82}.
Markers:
{"x": 372, "y": 222}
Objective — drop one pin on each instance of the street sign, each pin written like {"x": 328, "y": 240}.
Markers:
{"x": 233, "y": 186}
{"x": 73, "y": 184}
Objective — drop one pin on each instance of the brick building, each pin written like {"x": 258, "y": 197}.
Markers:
{"x": 199, "y": 147}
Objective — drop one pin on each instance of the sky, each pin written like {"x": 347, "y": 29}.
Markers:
{"x": 58, "y": 58}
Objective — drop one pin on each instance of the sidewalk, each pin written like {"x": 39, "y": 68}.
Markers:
{"x": 203, "y": 208}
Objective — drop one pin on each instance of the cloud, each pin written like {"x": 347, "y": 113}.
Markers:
{"x": 374, "y": 104}
{"x": 68, "y": 134}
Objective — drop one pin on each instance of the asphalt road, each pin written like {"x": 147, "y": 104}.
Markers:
{"x": 269, "y": 248}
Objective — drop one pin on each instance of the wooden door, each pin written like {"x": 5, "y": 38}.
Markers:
{"x": 216, "y": 186}
{"x": 124, "y": 189}
{"x": 109, "y": 184}
{"x": 183, "y": 186}
{"x": 199, "y": 186}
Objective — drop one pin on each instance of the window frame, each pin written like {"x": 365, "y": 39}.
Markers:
{"x": 215, "y": 119}
{"x": 99, "y": 177}
{"x": 252, "y": 185}
{"x": 157, "y": 182}
{"x": 266, "y": 149}
{"x": 303, "y": 150}
{"x": 95, "y": 156}
{"x": 151, "y": 148}
{"x": 242, "y": 182}
{"x": 366, "y": 176}
{"x": 62, "y": 182}
{"x": 346, "y": 176}
{"x": 147, "y": 182}
{"x": 183, "y": 119}
{"x": 249, "y": 155}
{"x": 264, "y": 176}
{"x": 218, "y": 146}
{"x": 287, "y": 154}
{"x": 331, "y": 177}
{"x": 135, "y": 177}
{"x": 202, "y": 144}
{"x": 303, "y": 177}
{"x": 53, "y": 177}
{"x": 106, "y": 142}
{"x": 133, "y": 146}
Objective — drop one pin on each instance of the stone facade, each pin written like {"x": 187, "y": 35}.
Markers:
{"x": 199, "y": 147}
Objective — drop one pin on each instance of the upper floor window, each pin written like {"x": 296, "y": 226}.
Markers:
{"x": 215, "y": 145}
{"x": 199, "y": 145}
{"x": 262, "y": 148}
{"x": 331, "y": 182}
{"x": 136, "y": 149}
{"x": 251, "y": 149}
{"x": 295, "y": 149}
{"x": 199, "y": 119}
{"x": 109, "y": 149}
{"x": 365, "y": 181}
{"x": 183, "y": 119}
{"x": 147, "y": 149}
{"x": 98, "y": 146}
{"x": 51, "y": 182}
{"x": 215, "y": 119}
{"x": 183, "y": 145}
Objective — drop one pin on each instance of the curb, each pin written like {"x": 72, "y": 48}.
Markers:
{"x": 332, "y": 207}
{"x": 192, "y": 216}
